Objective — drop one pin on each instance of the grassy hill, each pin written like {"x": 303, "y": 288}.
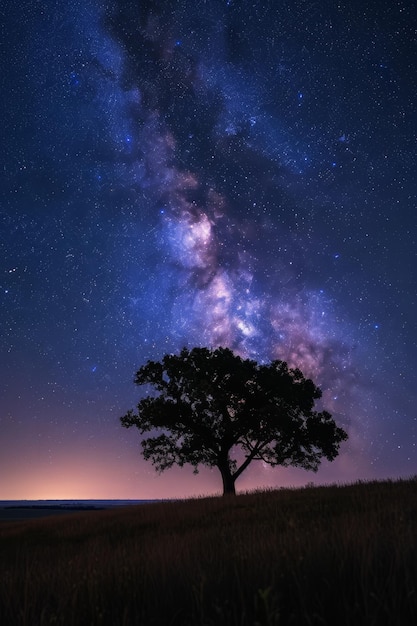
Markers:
{"x": 338, "y": 555}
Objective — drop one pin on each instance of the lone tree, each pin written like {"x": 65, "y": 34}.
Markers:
{"x": 213, "y": 408}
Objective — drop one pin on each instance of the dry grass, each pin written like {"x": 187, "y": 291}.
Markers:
{"x": 317, "y": 556}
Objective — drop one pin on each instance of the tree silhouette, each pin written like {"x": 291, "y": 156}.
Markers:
{"x": 213, "y": 408}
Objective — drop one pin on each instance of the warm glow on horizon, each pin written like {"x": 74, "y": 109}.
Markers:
{"x": 93, "y": 478}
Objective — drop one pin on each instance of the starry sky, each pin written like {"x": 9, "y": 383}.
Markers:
{"x": 195, "y": 172}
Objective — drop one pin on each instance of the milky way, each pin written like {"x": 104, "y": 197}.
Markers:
{"x": 236, "y": 265}
{"x": 207, "y": 173}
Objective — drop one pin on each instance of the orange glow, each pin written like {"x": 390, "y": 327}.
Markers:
{"x": 114, "y": 472}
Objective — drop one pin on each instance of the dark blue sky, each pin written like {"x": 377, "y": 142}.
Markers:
{"x": 203, "y": 173}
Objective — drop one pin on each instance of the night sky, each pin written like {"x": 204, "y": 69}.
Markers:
{"x": 195, "y": 172}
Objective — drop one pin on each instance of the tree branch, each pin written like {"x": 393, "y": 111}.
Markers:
{"x": 248, "y": 460}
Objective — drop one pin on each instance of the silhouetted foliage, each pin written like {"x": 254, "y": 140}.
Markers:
{"x": 213, "y": 408}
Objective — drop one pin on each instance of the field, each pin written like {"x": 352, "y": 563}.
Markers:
{"x": 331, "y": 556}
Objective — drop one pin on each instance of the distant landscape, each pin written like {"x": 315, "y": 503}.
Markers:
{"x": 331, "y": 555}
{"x": 29, "y": 509}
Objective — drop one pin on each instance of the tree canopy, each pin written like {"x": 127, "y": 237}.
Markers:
{"x": 213, "y": 408}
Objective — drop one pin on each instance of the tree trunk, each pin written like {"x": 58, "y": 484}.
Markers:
{"x": 228, "y": 482}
